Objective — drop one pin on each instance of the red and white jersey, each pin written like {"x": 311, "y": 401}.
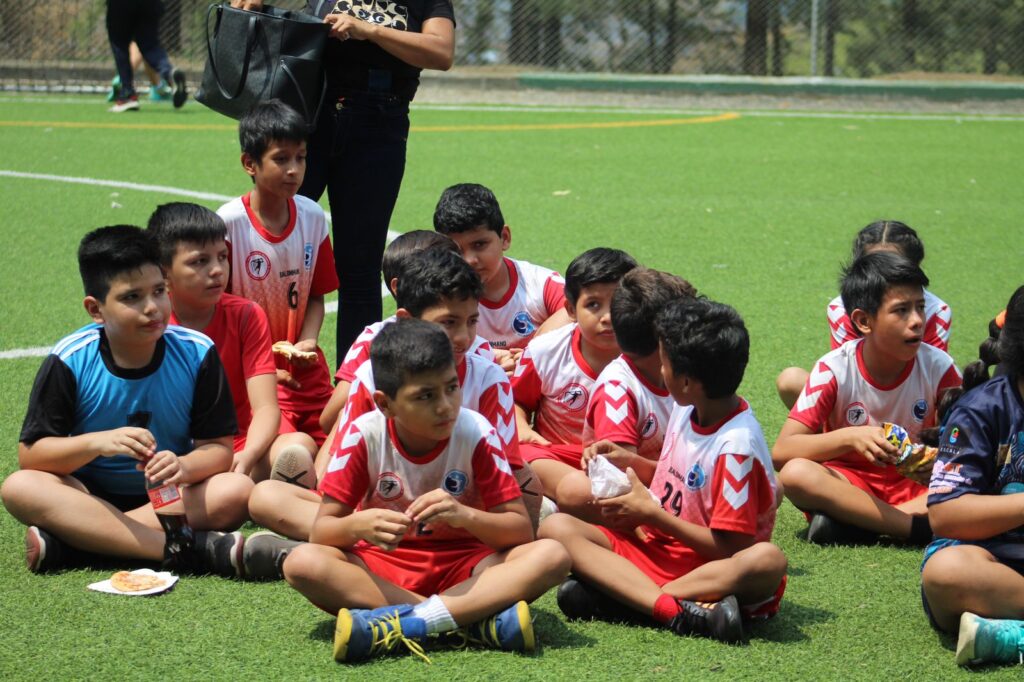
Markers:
{"x": 554, "y": 382}
{"x": 359, "y": 352}
{"x": 280, "y": 272}
{"x": 937, "y": 320}
{"x": 840, "y": 393}
{"x": 719, "y": 477}
{"x": 369, "y": 469}
{"x": 485, "y": 389}
{"x": 534, "y": 294}
{"x": 627, "y": 409}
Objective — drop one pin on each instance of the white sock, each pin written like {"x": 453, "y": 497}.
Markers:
{"x": 435, "y": 614}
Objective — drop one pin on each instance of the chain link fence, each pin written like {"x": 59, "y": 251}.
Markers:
{"x": 63, "y": 45}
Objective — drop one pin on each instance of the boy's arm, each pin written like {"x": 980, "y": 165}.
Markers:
{"x": 798, "y": 441}
{"x": 266, "y": 418}
{"x": 207, "y": 458}
{"x": 977, "y": 517}
{"x": 62, "y": 455}
{"x": 559, "y": 318}
{"x": 334, "y": 406}
{"x": 336, "y": 525}
{"x": 309, "y": 332}
{"x": 527, "y": 392}
{"x": 501, "y": 527}
{"x": 525, "y": 429}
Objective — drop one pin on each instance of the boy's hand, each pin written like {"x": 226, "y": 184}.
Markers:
{"x": 870, "y": 443}
{"x": 164, "y": 467}
{"x": 127, "y": 440}
{"x": 631, "y": 509}
{"x": 437, "y": 506}
{"x": 307, "y": 353}
{"x": 243, "y": 462}
{"x": 613, "y": 452}
{"x": 528, "y": 435}
{"x": 381, "y": 527}
{"x": 285, "y": 378}
{"x": 506, "y": 359}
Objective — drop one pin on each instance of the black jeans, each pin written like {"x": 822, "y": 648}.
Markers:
{"x": 358, "y": 155}
{"x": 137, "y": 20}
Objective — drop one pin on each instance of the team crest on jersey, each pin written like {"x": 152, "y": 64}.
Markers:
{"x": 920, "y": 410}
{"x": 455, "y": 482}
{"x": 389, "y": 486}
{"x": 574, "y": 397}
{"x": 856, "y": 414}
{"x": 695, "y": 477}
{"x": 650, "y": 427}
{"x": 257, "y": 265}
{"x": 522, "y": 324}
{"x": 307, "y": 256}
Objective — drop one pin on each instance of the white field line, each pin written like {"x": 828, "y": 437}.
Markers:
{"x": 42, "y": 351}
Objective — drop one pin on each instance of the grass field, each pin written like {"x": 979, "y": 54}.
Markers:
{"x": 757, "y": 210}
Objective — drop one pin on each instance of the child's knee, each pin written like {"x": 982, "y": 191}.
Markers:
{"x": 230, "y": 503}
{"x": 263, "y": 500}
{"x": 945, "y": 572}
{"x": 303, "y": 564}
{"x": 557, "y": 527}
{"x": 552, "y": 558}
{"x": 24, "y": 488}
{"x": 789, "y": 383}
{"x": 800, "y": 475}
{"x": 573, "y": 490}
{"x": 766, "y": 559}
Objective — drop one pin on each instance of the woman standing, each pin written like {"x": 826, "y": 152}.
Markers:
{"x": 357, "y": 152}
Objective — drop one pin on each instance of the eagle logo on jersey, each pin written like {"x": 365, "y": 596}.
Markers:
{"x": 455, "y": 482}
{"x": 523, "y": 324}
{"x": 389, "y": 486}
{"x": 695, "y": 477}
{"x": 856, "y": 414}
{"x": 257, "y": 265}
{"x": 307, "y": 256}
{"x": 650, "y": 427}
{"x": 574, "y": 397}
{"x": 920, "y": 410}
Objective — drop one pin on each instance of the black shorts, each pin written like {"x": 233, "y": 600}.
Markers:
{"x": 121, "y": 502}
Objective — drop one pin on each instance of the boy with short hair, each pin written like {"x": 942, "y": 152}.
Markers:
{"x": 555, "y": 376}
{"x": 436, "y": 286}
{"x": 705, "y": 561}
{"x": 125, "y": 400}
{"x": 630, "y": 404}
{"x": 834, "y": 460}
{"x": 281, "y": 258}
{"x": 422, "y": 530}
{"x": 519, "y": 297}
{"x": 194, "y": 257}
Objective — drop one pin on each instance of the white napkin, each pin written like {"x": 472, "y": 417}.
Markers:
{"x": 606, "y": 479}
{"x": 106, "y": 587}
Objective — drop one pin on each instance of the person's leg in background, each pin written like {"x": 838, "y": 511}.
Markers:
{"x": 120, "y": 21}
{"x": 147, "y": 37}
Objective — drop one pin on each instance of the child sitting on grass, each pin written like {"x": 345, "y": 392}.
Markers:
{"x": 121, "y": 402}
{"x": 700, "y": 560}
{"x": 422, "y": 529}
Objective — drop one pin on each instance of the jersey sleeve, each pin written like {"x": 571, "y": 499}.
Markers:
{"x": 742, "y": 492}
{"x": 554, "y": 293}
{"x": 213, "y": 409}
{"x": 966, "y": 463}
{"x": 498, "y": 408}
{"x": 492, "y": 474}
{"x": 347, "y": 478}
{"x": 526, "y": 385}
{"x": 51, "y": 404}
{"x": 937, "y": 329}
{"x": 613, "y": 414}
{"x": 360, "y": 402}
{"x": 355, "y": 357}
{"x": 257, "y": 356}
{"x": 325, "y": 277}
{"x": 817, "y": 399}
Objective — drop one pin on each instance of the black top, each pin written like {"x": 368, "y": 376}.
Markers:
{"x": 349, "y": 62}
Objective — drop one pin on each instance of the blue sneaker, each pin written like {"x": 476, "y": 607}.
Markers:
{"x": 160, "y": 93}
{"x": 509, "y": 630}
{"x": 987, "y": 640}
{"x": 361, "y": 634}
{"x": 115, "y": 89}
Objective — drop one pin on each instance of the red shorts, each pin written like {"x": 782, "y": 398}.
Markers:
{"x": 659, "y": 561}
{"x": 885, "y": 483}
{"x": 307, "y": 422}
{"x": 567, "y": 454}
{"x": 423, "y": 571}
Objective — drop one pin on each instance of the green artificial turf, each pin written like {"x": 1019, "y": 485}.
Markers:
{"x": 757, "y": 211}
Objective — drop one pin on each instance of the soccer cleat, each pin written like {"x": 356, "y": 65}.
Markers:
{"x": 210, "y": 553}
{"x": 508, "y": 630}
{"x": 263, "y": 555}
{"x": 718, "y": 620}
{"x": 824, "y": 530}
{"x": 130, "y": 103}
{"x": 294, "y": 465}
{"x": 160, "y": 93}
{"x": 115, "y": 88}
{"x": 361, "y": 634}
{"x": 988, "y": 640}
{"x": 180, "y": 93}
{"x": 580, "y": 601}
{"x": 43, "y": 551}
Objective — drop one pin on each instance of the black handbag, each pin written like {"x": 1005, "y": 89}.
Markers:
{"x": 256, "y": 56}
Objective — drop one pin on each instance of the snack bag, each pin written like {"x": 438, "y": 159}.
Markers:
{"x": 606, "y": 479}
{"x": 914, "y": 460}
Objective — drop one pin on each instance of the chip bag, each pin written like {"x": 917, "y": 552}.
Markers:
{"x": 913, "y": 460}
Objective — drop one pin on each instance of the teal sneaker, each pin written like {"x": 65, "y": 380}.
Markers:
{"x": 988, "y": 640}
{"x": 361, "y": 634}
{"x": 115, "y": 89}
{"x": 161, "y": 92}
{"x": 509, "y": 630}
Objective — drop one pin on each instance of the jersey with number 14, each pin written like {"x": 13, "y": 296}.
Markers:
{"x": 280, "y": 272}
{"x": 719, "y": 477}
